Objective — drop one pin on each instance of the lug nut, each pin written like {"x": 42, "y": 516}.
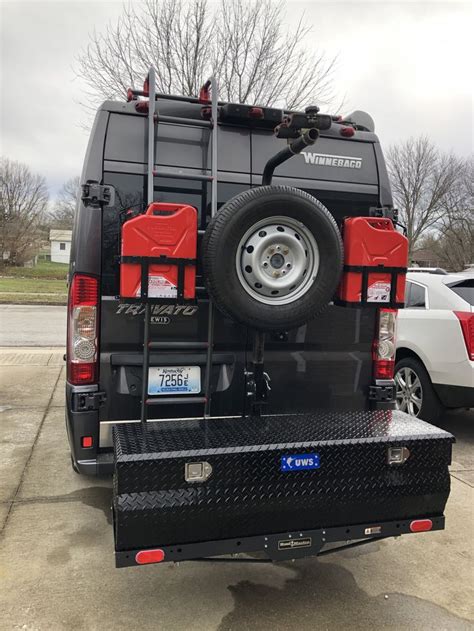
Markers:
{"x": 276, "y": 274}
{"x": 285, "y": 251}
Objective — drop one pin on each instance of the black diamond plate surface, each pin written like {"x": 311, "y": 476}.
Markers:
{"x": 247, "y": 494}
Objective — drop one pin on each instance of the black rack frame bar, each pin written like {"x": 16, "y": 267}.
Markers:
{"x": 365, "y": 271}
{"x": 146, "y": 261}
{"x": 183, "y": 176}
{"x": 271, "y": 544}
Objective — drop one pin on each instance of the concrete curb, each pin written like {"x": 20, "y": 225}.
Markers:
{"x": 50, "y": 356}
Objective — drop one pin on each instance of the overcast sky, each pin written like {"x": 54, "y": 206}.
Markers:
{"x": 409, "y": 64}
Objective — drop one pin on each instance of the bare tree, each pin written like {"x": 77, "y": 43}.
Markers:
{"x": 421, "y": 177}
{"x": 455, "y": 245}
{"x": 245, "y": 43}
{"x": 65, "y": 206}
{"x": 23, "y": 202}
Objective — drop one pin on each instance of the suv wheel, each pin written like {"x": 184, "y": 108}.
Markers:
{"x": 415, "y": 394}
{"x": 272, "y": 257}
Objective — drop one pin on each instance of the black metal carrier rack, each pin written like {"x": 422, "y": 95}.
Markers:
{"x": 282, "y": 485}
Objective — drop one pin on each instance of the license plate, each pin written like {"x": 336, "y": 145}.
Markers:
{"x": 174, "y": 380}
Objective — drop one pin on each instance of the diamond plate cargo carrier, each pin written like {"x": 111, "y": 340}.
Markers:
{"x": 211, "y": 480}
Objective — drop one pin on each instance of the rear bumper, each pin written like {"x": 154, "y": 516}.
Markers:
{"x": 455, "y": 396}
{"x": 282, "y": 546}
{"x": 101, "y": 466}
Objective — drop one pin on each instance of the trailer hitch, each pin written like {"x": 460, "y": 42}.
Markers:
{"x": 258, "y": 381}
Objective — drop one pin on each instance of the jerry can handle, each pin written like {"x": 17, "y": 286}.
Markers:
{"x": 159, "y": 208}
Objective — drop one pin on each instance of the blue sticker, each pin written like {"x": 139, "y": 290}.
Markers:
{"x": 299, "y": 462}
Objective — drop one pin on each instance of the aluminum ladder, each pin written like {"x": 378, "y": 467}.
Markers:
{"x": 153, "y": 120}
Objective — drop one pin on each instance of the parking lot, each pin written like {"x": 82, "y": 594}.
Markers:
{"x": 56, "y": 550}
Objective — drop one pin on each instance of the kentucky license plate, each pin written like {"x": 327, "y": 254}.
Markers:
{"x": 174, "y": 380}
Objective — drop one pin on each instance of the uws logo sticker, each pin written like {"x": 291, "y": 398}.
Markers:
{"x": 326, "y": 160}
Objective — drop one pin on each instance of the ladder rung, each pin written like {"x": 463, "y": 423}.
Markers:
{"x": 177, "y": 345}
{"x": 175, "y": 400}
{"x": 183, "y": 176}
{"x": 184, "y": 121}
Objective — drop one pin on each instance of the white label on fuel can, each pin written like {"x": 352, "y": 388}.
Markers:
{"x": 378, "y": 292}
{"x": 159, "y": 287}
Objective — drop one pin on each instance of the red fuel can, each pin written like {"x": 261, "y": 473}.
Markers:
{"x": 375, "y": 263}
{"x": 167, "y": 232}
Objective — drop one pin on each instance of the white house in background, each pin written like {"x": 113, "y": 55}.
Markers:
{"x": 60, "y": 241}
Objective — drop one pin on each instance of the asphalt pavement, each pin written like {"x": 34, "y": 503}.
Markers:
{"x": 56, "y": 548}
{"x": 32, "y": 325}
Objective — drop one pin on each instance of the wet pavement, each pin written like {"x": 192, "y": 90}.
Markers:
{"x": 56, "y": 547}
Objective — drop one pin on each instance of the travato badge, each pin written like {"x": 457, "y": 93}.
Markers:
{"x": 135, "y": 309}
{"x": 325, "y": 160}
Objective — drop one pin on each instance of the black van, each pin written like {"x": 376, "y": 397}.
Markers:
{"x": 285, "y": 426}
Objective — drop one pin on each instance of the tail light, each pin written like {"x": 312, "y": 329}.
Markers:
{"x": 421, "y": 525}
{"x": 466, "y": 319}
{"x": 384, "y": 344}
{"x": 149, "y": 556}
{"x": 82, "y": 330}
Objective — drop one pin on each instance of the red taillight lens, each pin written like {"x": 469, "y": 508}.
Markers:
{"x": 466, "y": 319}
{"x": 256, "y": 112}
{"x": 149, "y": 556}
{"x": 421, "y": 525}
{"x": 347, "y": 132}
{"x": 384, "y": 344}
{"x": 87, "y": 442}
{"x": 82, "y": 330}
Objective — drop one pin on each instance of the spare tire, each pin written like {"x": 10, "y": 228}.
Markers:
{"x": 272, "y": 258}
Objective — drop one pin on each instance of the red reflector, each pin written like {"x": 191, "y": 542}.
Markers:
{"x": 384, "y": 368}
{"x": 149, "y": 556}
{"x": 82, "y": 373}
{"x": 141, "y": 106}
{"x": 347, "y": 132}
{"x": 421, "y": 525}
{"x": 86, "y": 442}
{"x": 256, "y": 112}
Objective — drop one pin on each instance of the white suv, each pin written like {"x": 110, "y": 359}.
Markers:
{"x": 435, "y": 344}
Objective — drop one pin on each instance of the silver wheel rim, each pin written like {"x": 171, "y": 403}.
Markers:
{"x": 277, "y": 260}
{"x": 409, "y": 391}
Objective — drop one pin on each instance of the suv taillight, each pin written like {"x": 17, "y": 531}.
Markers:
{"x": 466, "y": 319}
{"x": 384, "y": 344}
{"x": 82, "y": 330}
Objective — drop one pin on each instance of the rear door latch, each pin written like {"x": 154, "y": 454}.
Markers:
{"x": 97, "y": 195}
